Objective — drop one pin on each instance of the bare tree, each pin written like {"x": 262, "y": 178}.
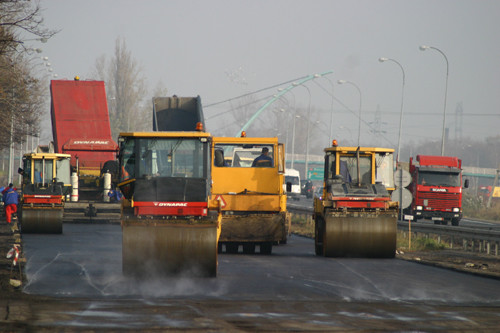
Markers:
{"x": 20, "y": 20}
{"x": 21, "y": 101}
{"x": 21, "y": 98}
{"x": 126, "y": 89}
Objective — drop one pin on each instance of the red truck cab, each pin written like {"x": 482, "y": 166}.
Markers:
{"x": 436, "y": 187}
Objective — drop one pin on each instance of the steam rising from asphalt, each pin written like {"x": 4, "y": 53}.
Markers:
{"x": 111, "y": 282}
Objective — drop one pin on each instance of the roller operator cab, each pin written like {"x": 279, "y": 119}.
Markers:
{"x": 169, "y": 224}
{"x": 248, "y": 182}
{"x": 45, "y": 188}
{"x": 355, "y": 216}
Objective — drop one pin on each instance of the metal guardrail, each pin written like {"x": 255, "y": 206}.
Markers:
{"x": 481, "y": 240}
{"x": 462, "y": 232}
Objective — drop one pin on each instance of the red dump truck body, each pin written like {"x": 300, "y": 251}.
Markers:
{"x": 80, "y": 124}
{"x": 436, "y": 187}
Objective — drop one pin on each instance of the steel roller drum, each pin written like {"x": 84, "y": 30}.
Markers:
{"x": 159, "y": 249}
{"x": 369, "y": 235}
{"x": 41, "y": 220}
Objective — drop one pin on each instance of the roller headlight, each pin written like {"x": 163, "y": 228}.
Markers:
{"x": 419, "y": 207}
{"x": 456, "y": 210}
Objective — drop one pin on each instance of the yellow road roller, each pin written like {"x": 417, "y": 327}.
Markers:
{"x": 46, "y": 184}
{"x": 170, "y": 226}
{"x": 355, "y": 216}
{"x": 248, "y": 182}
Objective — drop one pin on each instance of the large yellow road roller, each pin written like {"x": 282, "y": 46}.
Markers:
{"x": 248, "y": 182}
{"x": 355, "y": 216}
{"x": 46, "y": 186}
{"x": 170, "y": 225}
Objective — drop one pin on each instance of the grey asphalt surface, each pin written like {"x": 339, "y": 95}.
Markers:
{"x": 75, "y": 283}
{"x": 85, "y": 261}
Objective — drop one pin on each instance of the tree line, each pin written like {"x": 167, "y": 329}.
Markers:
{"x": 21, "y": 92}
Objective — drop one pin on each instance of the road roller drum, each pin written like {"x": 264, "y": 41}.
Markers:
{"x": 41, "y": 220}
{"x": 157, "y": 248}
{"x": 360, "y": 235}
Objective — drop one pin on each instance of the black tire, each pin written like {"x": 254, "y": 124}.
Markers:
{"x": 232, "y": 247}
{"x": 266, "y": 248}
{"x": 455, "y": 222}
{"x": 248, "y": 248}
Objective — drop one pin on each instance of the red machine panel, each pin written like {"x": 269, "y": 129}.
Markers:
{"x": 80, "y": 122}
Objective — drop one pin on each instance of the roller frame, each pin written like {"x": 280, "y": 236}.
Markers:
{"x": 254, "y": 227}
{"x": 41, "y": 220}
{"x": 157, "y": 247}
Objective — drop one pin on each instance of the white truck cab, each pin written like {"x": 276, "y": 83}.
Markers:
{"x": 292, "y": 182}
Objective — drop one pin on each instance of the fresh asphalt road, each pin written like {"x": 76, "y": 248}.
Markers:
{"x": 85, "y": 261}
{"x": 290, "y": 290}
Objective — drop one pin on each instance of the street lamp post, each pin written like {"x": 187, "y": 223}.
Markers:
{"x": 360, "y": 99}
{"x": 293, "y": 139}
{"x": 307, "y": 131}
{"x": 399, "y": 139}
{"x": 402, "y": 101}
{"x": 423, "y": 48}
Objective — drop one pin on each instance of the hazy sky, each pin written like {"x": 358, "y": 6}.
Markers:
{"x": 191, "y": 46}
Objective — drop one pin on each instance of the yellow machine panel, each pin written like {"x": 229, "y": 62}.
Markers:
{"x": 247, "y": 176}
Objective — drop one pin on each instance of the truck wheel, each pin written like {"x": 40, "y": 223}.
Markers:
{"x": 249, "y": 248}
{"x": 232, "y": 248}
{"x": 455, "y": 222}
{"x": 266, "y": 248}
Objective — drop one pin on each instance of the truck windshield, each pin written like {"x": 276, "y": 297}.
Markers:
{"x": 429, "y": 178}
{"x": 164, "y": 157}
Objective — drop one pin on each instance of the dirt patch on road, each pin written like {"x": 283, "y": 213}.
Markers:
{"x": 458, "y": 260}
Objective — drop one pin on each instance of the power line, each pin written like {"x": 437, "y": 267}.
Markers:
{"x": 251, "y": 93}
